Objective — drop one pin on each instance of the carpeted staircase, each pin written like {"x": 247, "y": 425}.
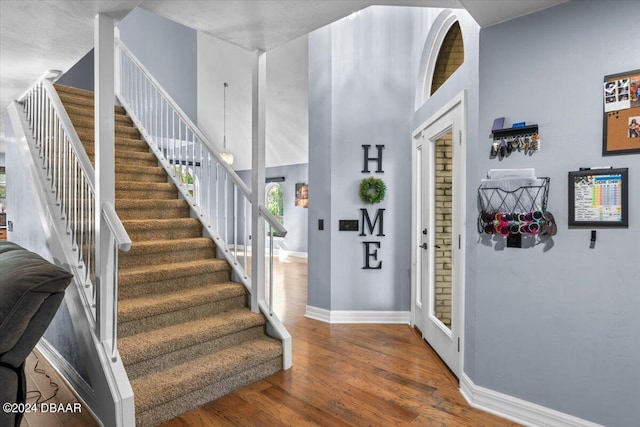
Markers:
{"x": 186, "y": 334}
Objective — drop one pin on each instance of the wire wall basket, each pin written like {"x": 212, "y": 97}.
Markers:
{"x": 515, "y": 206}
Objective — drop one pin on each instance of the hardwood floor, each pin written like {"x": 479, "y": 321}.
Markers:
{"x": 342, "y": 375}
{"x": 42, "y": 383}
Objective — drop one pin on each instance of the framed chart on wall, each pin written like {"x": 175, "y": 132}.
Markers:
{"x": 599, "y": 198}
{"x": 621, "y": 126}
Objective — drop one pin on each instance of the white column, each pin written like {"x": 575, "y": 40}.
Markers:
{"x": 259, "y": 80}
{"x": 104, "y": 164}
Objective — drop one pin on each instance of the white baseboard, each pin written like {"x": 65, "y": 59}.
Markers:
{"x": 336, "y": 316}
{"x": 69, "y": 375}
{"x": 518, "y": 410}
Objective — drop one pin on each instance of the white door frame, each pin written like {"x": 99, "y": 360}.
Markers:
{"x": 459, "y": 101}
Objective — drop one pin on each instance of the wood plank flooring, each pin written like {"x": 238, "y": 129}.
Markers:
{"x": 342, "y": 375}
{"x": 41, "y": 385}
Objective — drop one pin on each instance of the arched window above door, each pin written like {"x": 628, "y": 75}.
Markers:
{"x": 442, "y": 55}
{"x": 450, "y": 57}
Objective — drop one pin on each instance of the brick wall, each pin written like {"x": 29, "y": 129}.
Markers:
{"x": 443, "y": 227}
{"x": 450, "y": 57}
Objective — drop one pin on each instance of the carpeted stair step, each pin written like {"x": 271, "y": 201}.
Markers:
{"x": 147, "y": 280}
{"x": 163, "y": 229}
{"x": 84, "y": 117}
{"x": 158, "y": 252}
{"x": 121, "y": 142}
{"x": 75, "y": 112}
{"x": 159, "y": 349}
{"x": 73, "y": 91}
{"x": 121, "y": 130}
{"x": 138, "y": 173}
{"x": 152, "y": 209}
{"x": 70, "y": 93}
{"x": 75, "y": 100}
{"x": 149, "y": 312}
{"x": 146, "y": 190}
{"x": 127, "y": 157}
{"x": 85, "y": 124}
{"x": 164, "y": 395}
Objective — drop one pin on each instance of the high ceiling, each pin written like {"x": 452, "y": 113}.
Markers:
{"x": 36, "y": 36}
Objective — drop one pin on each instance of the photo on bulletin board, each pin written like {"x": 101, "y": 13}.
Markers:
{"x": 621, "y": 128}
{"x": 599, "y": 198}
{"x": 302, "y": 195}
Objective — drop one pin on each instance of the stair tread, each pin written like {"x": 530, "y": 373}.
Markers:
{"x": 139, "y": 169}
{"x": 147, "y": 345}
{"x": 86, "y": 115}
{"x": 88, "y": 135}
{"x": 165, "y": 386}
{"x": 133, "y": 185}
{"x": 120, "y": 155}
{"x": 72, "y": 90}
{"x": 173, "y": 270}
{"x": 83, "y": 126}
{"x": 153, "y": 305}
{"x": 150, "y": 203}
{"x": 151, "y": 224}
{"x": 155, "y": 246}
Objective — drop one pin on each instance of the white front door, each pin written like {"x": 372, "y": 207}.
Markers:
{"x": 438, "y": 224}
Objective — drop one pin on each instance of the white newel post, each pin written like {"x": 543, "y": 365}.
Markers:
{"x": 104, "y": 166}
{"x": 259, "y": 80}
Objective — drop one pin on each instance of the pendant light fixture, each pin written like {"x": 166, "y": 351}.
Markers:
{"x": 226, "y": 156}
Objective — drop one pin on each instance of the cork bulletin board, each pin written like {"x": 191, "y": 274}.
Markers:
{"x": 621, "y": 129}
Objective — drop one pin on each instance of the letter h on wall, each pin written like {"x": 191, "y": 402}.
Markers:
{"x": 367, "y": 159}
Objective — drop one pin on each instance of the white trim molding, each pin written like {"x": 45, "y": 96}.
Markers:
{"x": 515, "y": 409}
{"x": 70, "y": 376}
{"x": 336, "y": 316}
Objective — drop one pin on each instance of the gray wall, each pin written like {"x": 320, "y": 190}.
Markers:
{"x": 559, "y": 325}
{"x": 81, "y": 74}
{"x": 169, "y": 51}
{"x": 295, "y": 217}
{"x": 320, "y": 156}
{"x": 30, "y": 233}
{"x": 361, "y": 87}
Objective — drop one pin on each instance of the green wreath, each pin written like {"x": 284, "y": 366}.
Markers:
{"x": 372, "y": 190}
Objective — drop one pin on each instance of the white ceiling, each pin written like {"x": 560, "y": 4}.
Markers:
{"x": 36, "y": 36}
{"x": 268, "y": 24}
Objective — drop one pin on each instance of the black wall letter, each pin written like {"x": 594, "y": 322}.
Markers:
{"x": 367, "y": 159}
{"x": 369, "y": 254}
{"x": 367, "y": 220}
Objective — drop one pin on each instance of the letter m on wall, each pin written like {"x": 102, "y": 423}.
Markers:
{"x": 377, "y": 220}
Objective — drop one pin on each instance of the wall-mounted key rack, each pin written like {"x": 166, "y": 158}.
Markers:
{"x": 524, "y": 139}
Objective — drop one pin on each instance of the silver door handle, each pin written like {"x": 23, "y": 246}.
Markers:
{"x": 423, "y": 246}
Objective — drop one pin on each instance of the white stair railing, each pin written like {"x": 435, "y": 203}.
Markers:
{"x": 72, "y": 182}
{"x": 220, "y": 199}
{"x": 67, "y": 204}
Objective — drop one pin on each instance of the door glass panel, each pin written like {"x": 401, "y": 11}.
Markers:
{"x": 443, "y": 211}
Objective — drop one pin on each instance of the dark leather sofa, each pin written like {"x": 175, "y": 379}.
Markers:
{"x": 31, "y": 290}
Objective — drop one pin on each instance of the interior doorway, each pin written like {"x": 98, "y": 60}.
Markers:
{"x": 438, "y": 217}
